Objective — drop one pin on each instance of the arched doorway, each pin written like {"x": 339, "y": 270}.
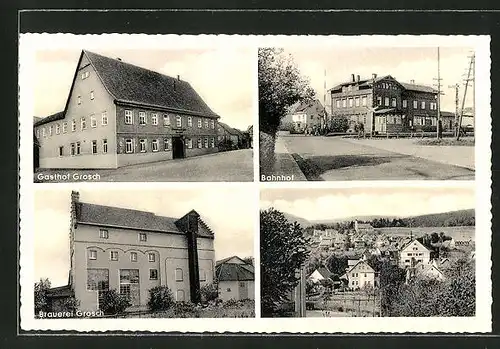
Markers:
{"x": 178, "y": 147}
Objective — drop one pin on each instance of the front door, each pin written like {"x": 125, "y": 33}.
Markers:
{"x": 380, "y": 124}
{"x": 177, "y": 148}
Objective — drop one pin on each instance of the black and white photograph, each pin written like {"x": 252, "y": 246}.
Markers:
{"x": 142, "y": 254}
{"x": 362, "y": 253}
{"x": 125, "y": 114}
{"x": 367, "y": 113}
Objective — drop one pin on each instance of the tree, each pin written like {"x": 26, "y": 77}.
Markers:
{"x": 392, "y": 279}
{"x": 337, "y": 265}
{"x": 339, "y": 124}
{"x": 40, "y": 288}
{"x": 283, "y": 253}
{"x": 113, "y": 303}
{"x": 280, "y": 86}
{"x": 248, "y": 260}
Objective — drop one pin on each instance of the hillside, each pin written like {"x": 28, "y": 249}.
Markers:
{"x": 452, "y": 218}
{"x": 302, "y": 221}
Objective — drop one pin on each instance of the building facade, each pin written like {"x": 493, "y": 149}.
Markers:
{"x": 235, "y": 279}
{"x": 305, "y": 117}
{"x": 132, "y": 251}
{"x": 119, "y": 114}
{"x": 384, "y": 105}
{"x": 362, "y": 275}
{"x": 414, "y": 253}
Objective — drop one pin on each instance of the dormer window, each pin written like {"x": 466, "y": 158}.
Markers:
{"x": 79, "y": 100}
{"x": 91, "y": 95}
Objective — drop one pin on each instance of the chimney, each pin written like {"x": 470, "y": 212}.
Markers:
{"x": 374, "y": 76}
{"x": 412, "y": 82}
{"x": 179, "y": 77}
{"x": 189, "y": 225}
{"x": 353, "y": 79}
{"x": 358, "y": 78}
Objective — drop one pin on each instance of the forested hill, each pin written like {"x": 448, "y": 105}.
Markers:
{"x": 445, "y": 219}
{"x": 304, "y": 223}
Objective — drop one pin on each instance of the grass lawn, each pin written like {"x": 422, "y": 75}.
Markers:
{"x": 466, "y": 141}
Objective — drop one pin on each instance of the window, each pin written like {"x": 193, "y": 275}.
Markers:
{"x": 113, "y": 255}
{"x": 363, "y": 101}
{"x": 129, "y": 118}
{"x": 350, "y": 102}
{"x": 344, "y": 103}
{"x": 199, "y": 122}
{"x": 97, "y": 280}
{"x": 142, "y": 118}
{"x": 61, "y": 150}
{"x": 73, "y": 125}
{"x": 386, "y": 101}
{"x": 178, "y": 121}
{"x": 38, "y": 132}
{"x": 91, "y": 95}
{"x": 142, "y": 145}
{"x": 85, "y": 75}
{"x": 79, "y": 100}
{"x": 337, "y": 103}
{"x": 423, "y": 104}
{"x": 356, "y": 101}
{"x": 199, "y": 143}
{"x": 92, "y": 254}
{"x": 212, "y": 142}
{"x": 43, "y": 132}
{"x": 154, "y": 119}
{"x": 394, "y": 102}
{"x": 153, "y": 274}
{"x": 94, "y": 147}
{"x": 179, "y": 296}
{"x": 415, "y": 104}
{"x": 189, "y": 143}
{"x": 103, "y": 234}
{"x": 72, "y": 149}
{"x": 190, "y": 121}
{"x": 105, "y": 146}
{"x": 50, "y": 130}
{"x": 178, "y": 274}
{"x": 206, "y": 142}
{"x": 77, "y": 148}
{"x": 65, "y": 127}
{"x": 133, "y": 256}
{"x": 83, "y": 123}
{"x": 58, "y": 129}
{"x": 143, "y": 237}
{"x": 128, "y": 277}
{"x": 154, "y": 145}
{"x": 206, "y": 123}
{"x": 151, "y": 257}
{"x": 128, "y": 146}
{"x": 405, "y": 103}
{"x": 166, "y": 120}
{"x": 213, "y": 124}
{"x": 93, "y": 121}
{"x": 203, "y": 275}
{"x": 379, "y": 100}
{"x": 166, "y": 144}
{"x": 229, "y": 289}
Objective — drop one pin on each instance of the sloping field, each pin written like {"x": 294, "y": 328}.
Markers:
{"x": 457, "y": 233}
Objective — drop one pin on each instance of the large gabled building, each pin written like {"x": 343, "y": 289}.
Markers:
{"x": 132, "y": 251}
{"x": 384, "y": 104}
{"x": 118, "y": 114}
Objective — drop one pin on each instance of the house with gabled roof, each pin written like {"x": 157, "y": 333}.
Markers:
{"x": 319, "y": 274}
{"x": 382, "y": 104}
{"x": 117, "y": 114}
{"x": 306, "y": 116}
{"x": 412, "y": 253}
{"x": 133, "y": 251}
{"x": 361, "y": 275}
{"x": 235, "y": 279}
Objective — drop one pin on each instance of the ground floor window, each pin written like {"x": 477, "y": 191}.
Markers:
{"x": 179, "y": 296}
{"x": 128, "y": 146}
{"x": 104, "y": 146}
{"x": 166, "y": 144}
{"x": 78, "y": 148}
{"x": 94, "y": 147}
{"x": 72, "y": 147}
{"x": 129, "y": 284}
{"x": 189, "y": 143}
{"x": 212, "y": 142}
{"x": 199, "y": 143}
{"x": 142, "y": 145}
{"x": 153, "y": 274}
{"x": 61, "y": 150}
{"x": 206, "y": 142}
{"x": 154, "y": 145}
{"x": 97, "y": 279}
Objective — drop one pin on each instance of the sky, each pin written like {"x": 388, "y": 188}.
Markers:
{"x": 223, "y": 77}
{"x": 233, "y": 225}
{"x": 322, "y": 204}
{"x": 404, "y": 64}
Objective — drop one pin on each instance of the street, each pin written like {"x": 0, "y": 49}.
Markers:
{"x": 333, "y": 158}
{"x": 231, "y": 166}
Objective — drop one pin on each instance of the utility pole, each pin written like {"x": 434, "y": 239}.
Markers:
{"x": 325, "y": 115}
{"x": 467, "y": 80}
{"x": 438, "y": 100}
{"x": 457, "y": 101}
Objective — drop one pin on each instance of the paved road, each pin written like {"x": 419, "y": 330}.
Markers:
{"x": 232, "y": 166}
{"x": 332, "y": 158}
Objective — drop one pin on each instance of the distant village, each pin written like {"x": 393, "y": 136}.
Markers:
{"x": 359, "y": 248}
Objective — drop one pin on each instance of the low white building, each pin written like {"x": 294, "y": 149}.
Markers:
{"x": 235, "y": 278}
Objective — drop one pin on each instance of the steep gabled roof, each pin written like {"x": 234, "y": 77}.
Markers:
{"x": 132, "y": 219}
{"x": 129, "y": 83}
{"x": 369, "y": 82}
{"x": 230, "y": 129}
{"x": 225, "y": 271}
{"x": 324, "y": 272}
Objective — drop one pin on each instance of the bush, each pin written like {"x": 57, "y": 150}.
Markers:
{"x": 338, "y": 124}
{"x": 40, "y": 288}
{"x": 184, "y": 308}
{"x": 287, "y": 126}
{"x": 209, "y": 292}
{"x": 114, "y": 303}
{"x": 230, "y": 303}
{"x": 160, "y": 298}
{"x": 70, "y": 304}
